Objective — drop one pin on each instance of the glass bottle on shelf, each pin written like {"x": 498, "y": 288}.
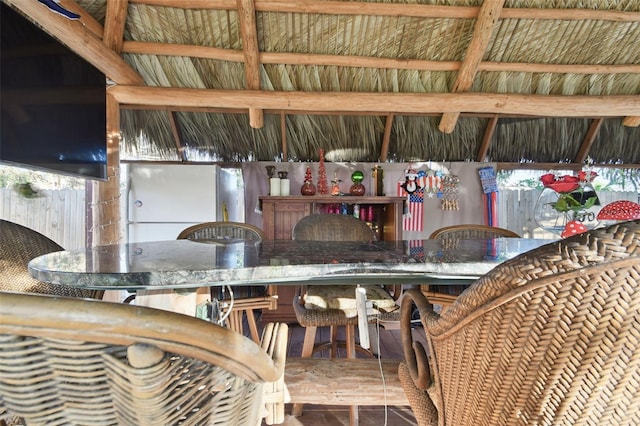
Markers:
{"x": 308, "y": 188}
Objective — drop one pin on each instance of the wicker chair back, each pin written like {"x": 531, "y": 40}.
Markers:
{"x": 332, "y": 227}
{"x": 549, "y": 337}
{"x": 80, "y": 361}
{"x": 472, "y": 231}
{"x": 18, "y": 245}
{"x": 221, "y": 231}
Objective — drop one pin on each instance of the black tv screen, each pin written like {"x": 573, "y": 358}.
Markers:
{"x": 53, "y": 103}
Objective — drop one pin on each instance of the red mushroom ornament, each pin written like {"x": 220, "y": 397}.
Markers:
{"x": 619, "y": 210}
{"x": 573, "y": 227}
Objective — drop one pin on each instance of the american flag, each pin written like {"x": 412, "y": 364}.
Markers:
{"x": 414, "y": 219}
{"x": 416, "y": 249}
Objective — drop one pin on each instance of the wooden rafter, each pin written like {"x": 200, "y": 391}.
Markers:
{"x": 283, "y": 135}
{"x": 114, "y": 21}
{"x": 486, "y": 22}
{"x": 165, "y": 49}
{"x": 486, "y": 139}
{"x": 589, "y": 138}
{"x": 76, "y": 34}
{"x": 177, "y": 135}
{"x": 248, "y": 30}
{"x": 631, "y": 121}
{"x": 389, "y": 9}
{"x": 87, "y": 20}
{"x": 78, "y": 38}
{"x": 384, "y": 149}
{"x": 412, "y": 103}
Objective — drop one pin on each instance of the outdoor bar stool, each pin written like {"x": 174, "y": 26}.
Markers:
{"x": 247, "y": 299}
{"x": 334, "y": 305}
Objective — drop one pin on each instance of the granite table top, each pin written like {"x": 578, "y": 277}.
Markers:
{"x": 186, "y": 264}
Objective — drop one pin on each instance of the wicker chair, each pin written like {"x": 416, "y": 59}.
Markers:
{"x": 247, "y": 299}
{"x": 446, "y": 295}
{"x": 18, "y": 245}
{"x": 80, "y": 361}
{"x": 333, "y": 227}
{"x": 549, "y": 337}
{"x": 472, "y": 231}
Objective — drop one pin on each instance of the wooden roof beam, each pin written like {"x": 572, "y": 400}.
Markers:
{"x": 384, "y": 149}
{"x": 177, "y": 135}
{"x": 166, "y": 49}
{"x": 81, "y": 40}
{"x": 283, "y": 135}
{"x": 89, "y": 21}
{"x": 394, "y": 9}
{"x": 114, "y": 21}
{"x": 249, "y": 32}
{"x": 631, "y": 121}
{"x": 589, "y": 138}
{"x": 486, "y": 139}
{"x": 486, "y": 22}
{"x": 411, "y": 103}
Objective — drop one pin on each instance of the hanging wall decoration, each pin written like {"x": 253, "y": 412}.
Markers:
{"x": 449, "y": 199}
{"x": 433, "y": 184}
{"x": 490, "y": 197}
{"x": 413, "y": 187}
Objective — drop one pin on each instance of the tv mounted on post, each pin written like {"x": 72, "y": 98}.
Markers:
{"x": 53, "y": 103}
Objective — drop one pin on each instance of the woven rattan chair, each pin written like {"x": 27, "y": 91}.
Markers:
{"x": 332, "y": 227}
{"x": 472, "y": 231}
{"x": 247, "y": 299}
{"x": 88, "y": 362}
{"x": 547, "y": 338}
{"x": 18, "y": 245}
{"x": 446, "y": 295}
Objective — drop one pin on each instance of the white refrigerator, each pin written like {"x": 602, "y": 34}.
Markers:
{"x": 164, "y": 199}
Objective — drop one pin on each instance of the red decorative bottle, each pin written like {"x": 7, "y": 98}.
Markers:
{"x": 308, "y": 188}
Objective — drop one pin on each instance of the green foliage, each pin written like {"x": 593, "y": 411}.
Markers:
{"x": 567, "y": 203}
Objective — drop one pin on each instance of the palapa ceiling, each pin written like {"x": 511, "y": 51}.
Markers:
{"x": 506, "y": 81}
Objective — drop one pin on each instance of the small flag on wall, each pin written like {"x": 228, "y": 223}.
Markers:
{"x": 413, "y": 188}
{"x": 490, "y": 197}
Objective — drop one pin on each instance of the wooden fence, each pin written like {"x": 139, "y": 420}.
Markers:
{"x": 58, "y": 213}
{"x": 516, "y": 209}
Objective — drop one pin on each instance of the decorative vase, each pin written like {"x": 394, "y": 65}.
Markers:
{"x": 271, "y": 170}
{"x": 552, "y": 219}
{"x": 308, "y": 188}
{"x": 357, "y": 188}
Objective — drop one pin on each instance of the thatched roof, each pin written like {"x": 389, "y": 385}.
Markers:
{"x": 506, "y": 81}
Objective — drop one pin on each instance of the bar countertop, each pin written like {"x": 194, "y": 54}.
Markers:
{"x": 179, "y": 264}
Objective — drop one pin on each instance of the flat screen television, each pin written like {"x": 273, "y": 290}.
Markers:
{"x": 53, "y": 103}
